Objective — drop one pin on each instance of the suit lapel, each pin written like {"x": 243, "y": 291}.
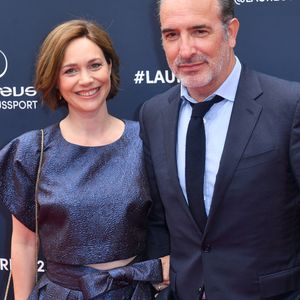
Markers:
{"x": 244, "y": 117}
{"x": 170, "y": 123}
{"x": 170, "y": 120}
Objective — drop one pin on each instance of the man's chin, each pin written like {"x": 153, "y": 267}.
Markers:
{"x": 192, "y": 83}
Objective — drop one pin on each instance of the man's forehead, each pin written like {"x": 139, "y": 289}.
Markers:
{"x": 162, "y": 4}
{"x": 181, "y": 7}
{"x": 188, "y": 13}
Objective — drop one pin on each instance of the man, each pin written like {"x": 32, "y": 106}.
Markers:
{"x": 249, "y": 247}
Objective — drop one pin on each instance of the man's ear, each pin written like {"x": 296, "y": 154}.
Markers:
{"x": 233, "y": 28}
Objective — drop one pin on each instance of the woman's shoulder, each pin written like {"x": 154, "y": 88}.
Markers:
{"x": 132, "y": 126}
{"x": 23, "y": 142}
{"x": 132, "y": 129}
{"x": 132, "y": 135}
{"x": 29, "y": 141}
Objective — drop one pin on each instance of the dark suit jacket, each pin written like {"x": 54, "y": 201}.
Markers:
{"x": 250, "y": 248}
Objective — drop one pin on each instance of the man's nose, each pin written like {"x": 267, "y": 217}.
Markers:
{"x": 187, "y": 47}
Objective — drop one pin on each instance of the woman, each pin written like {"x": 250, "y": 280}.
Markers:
{"x": 92, "y": 194}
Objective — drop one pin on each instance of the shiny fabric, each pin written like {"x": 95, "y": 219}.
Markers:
{"x": 67, "y": 282}
{"x": 93, "y": 201}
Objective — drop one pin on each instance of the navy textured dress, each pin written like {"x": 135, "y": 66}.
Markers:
{"x": 93, "y": 207}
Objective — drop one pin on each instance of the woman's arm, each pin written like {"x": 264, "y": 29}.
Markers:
{"x": 165, "y": 261}
{"x": 23, "y": 249}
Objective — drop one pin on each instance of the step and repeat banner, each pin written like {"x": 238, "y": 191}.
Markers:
{"x": 268, "y": 41}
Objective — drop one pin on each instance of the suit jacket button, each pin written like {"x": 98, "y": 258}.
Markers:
{"x": 206, "y": 248}
{"x": 200, "y": 290}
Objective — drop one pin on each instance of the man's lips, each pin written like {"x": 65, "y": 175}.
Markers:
{"x": 190, "y": 66}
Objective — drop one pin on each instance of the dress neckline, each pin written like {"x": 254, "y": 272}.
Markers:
{"x": 91, "y": 147}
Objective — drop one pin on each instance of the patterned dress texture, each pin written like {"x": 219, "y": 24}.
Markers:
{"x": 93, "y": 207}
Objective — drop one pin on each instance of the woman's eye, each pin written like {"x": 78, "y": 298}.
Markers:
{"x": 96, "y": 66}
{"x": 70, "y": 71}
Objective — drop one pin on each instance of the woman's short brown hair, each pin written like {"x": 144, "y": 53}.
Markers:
{"x": 52, "y": 52}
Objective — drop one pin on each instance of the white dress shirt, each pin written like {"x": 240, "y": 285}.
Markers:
{"x": 216, "y": 123}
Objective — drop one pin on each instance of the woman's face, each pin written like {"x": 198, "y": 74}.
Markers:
{"x": 84, "y": 77}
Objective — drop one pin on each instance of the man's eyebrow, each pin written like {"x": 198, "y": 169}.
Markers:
{"x": 201, "y": 26}
{"x": 166, "y": 30}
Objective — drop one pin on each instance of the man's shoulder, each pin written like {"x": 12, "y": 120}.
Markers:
{"x": 272, "y": 83}
{"x": 166, "y": 96}
{"x": 153, "y": 107}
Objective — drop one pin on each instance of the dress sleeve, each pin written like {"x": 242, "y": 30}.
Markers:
{"x": 18, "y": 164}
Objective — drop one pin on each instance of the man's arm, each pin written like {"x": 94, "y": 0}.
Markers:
{"x": 295, "y": 144}
{"x": 158, "y": 241}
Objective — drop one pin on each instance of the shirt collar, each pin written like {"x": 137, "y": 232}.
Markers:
{"x": 227, "y": 90}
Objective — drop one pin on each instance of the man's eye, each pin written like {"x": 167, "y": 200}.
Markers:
{"x": 171, "y": 36}
{"x": 200, "y": 32}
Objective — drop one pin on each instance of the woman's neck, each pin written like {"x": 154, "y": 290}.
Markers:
{"x": 91, "y": 131}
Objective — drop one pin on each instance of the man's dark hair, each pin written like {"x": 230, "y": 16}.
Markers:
{"x": 227, "y": 9}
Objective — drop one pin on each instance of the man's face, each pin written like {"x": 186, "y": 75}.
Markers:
{"x": 198, "y": 49}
